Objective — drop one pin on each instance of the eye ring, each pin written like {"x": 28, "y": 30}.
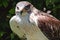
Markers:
{"x": 27, "y": 7}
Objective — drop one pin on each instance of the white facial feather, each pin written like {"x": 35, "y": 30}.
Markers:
{"x": 21, "y": 5}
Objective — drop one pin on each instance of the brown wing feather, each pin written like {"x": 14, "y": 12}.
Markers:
{"x": 50, "y": 26}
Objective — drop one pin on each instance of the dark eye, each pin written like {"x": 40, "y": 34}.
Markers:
{"x": 27, "y": 7}
{"x": 18, "y": 8}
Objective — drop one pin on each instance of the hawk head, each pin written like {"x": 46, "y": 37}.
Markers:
{"x": 23, "y": 7}
{"x": 27, "y": 11}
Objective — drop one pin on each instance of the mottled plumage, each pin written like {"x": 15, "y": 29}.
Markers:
{"x": 33, "y": 24}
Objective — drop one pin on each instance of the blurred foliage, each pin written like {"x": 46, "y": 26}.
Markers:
{"x": 7, "y": 10}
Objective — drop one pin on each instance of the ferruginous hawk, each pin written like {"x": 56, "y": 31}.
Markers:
{"x": 33, "y": 24}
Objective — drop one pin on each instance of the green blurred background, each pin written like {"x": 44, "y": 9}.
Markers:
{"x": 7, "y": 10}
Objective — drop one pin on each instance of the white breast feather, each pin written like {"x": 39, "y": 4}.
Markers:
{"x": 32, "y": 32}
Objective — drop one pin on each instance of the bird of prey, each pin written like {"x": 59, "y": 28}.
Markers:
{"x": 33, "y": 24}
